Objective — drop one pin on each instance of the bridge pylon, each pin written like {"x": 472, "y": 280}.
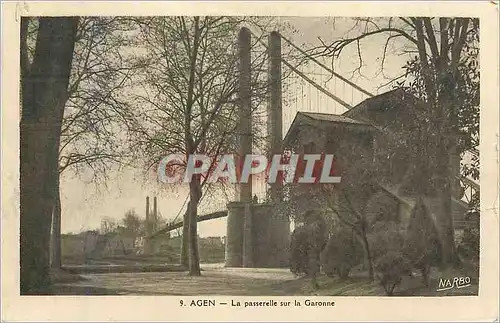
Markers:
{"x": 257, "y": 236}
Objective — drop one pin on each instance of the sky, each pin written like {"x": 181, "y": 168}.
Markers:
{"x": 84, "y": 204}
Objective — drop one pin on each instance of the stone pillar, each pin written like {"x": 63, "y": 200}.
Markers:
{"x": 235, "y": 234}
{"x": 245, "y": 107}
{"x": 248, "y": 247}
{"x": 271, "y": 237}
{"x": 274, "y": 108}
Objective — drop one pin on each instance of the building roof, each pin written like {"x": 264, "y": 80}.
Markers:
{"x": 318, "y": 119}
{"x": 332, "y": 118}
{"x": 393, "y": 99}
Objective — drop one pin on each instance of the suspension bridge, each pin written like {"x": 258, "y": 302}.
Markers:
{"x": 309, "y": 86}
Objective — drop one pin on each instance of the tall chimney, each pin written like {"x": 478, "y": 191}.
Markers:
{"x": 245, "y": 108}
{"x": 274, "y": 107}
{"x": 148, "y": 217}
{"x": 155, "y": 214}
{"x": 147, "y": 242}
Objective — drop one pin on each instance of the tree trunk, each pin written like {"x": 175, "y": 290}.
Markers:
{"x": 440, "y": 99}
{"x": 444, "y": 195}
{"x": 44, "y": 92}
{"x": 368, "y": 255}
{"x": 56, "y": 261}
{"x": 185, "y": 239}
{"x": 447, "y": 130}
{"x": 194, "y": 257}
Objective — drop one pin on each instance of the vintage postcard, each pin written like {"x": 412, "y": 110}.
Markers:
{"x": 250, "y": 161}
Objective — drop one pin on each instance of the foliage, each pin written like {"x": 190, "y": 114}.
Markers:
{"x": 96, "y": 114}
{"x": 391, "y": 267}
{"x": 342, "y": 252}
{"x": 466, "y": 97}
{"x": 298, "y": 252}
{"x": 190, "y": 84}
{"x": 466, "y": 92}
{"x": 469, "y": 246}
{"x": 386, "y": 237}
{"x": 446, "y": 82}
{"x": 189, "y": 95}
{"x": 381, "y": 207}
{"x": 132, "y": 222}
{"x": 188, "y": 98}
{"x": 422, "y": 244}
{"x": 307, "y": 242}
{"x": 386, "y": 244}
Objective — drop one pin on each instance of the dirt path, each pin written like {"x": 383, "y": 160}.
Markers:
{"x": 214, "y": 281}
{"x": 217, "y": 280}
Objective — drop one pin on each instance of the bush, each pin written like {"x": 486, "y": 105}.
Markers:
{"x": 422, "y": 245}
{"x": 342, "y": 252}
{"x": 386, "y": 245}
{"x": 468, "y": 246}
{"x": 385, "y": 237}
{"x": 298, "y": 252}
{"x": 391, "y": 268}
{"x": 381, "y": 207}
{"x": 306, "y": 244}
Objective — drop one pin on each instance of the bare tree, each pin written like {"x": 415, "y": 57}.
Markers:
{"x": 439, "y": 44}
{"x": 96, "y": 114}
{"x": 190, "y": 95}
{"x": 132, "y": 222}
{"x": 108, "y": 225}
{"x": 44, "y": 86}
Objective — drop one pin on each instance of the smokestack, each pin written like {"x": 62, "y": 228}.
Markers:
{"x": 147, "y": 242}
{"x": 274, "y": 112}
{"x": 148, "y": 220}
{"x": 155, "y": 214}
{"x": 245, "y": 111}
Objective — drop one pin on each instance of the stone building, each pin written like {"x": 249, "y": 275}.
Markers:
{"x": 361, "y": 138}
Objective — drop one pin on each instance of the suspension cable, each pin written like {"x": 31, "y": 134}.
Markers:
{"x": 354, "y": 85}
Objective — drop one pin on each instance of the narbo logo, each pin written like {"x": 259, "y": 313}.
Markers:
{"x": 456, "y": 282}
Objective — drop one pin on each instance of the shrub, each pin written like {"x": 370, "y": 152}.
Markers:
{"x": 381, "y": 207}
{"x": 306, "y": 244}
{"x": 386, "y": 246}
{"x": 468, "y": 247}
{"x": 422, "y": 245}
{"x": 391, "y": 268}
{"x": 298, "y": 252}
{"x": 342, "y": 252}
{"x": 385, "y": 237}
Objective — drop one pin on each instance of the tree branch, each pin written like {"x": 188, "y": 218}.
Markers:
{"x": 431, "y": 38}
